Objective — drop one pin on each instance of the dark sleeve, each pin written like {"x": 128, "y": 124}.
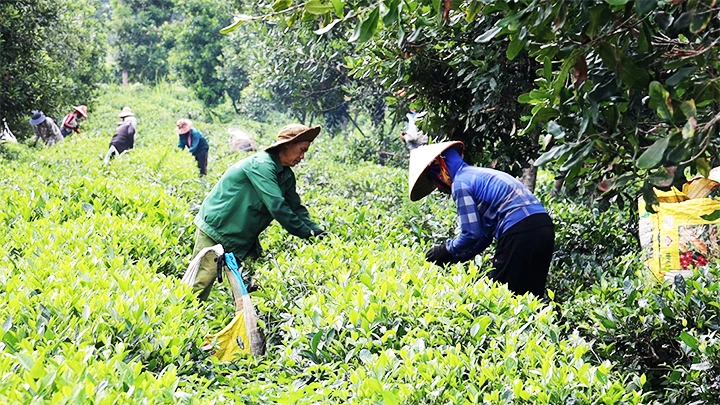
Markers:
{"x": 195, "y": 139}
{"x": 131, "y": 136}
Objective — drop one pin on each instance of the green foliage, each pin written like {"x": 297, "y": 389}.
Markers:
{"x": 91, "y": 315}
{"x": 667, "y": 330}
{"x": 53, "y": 56}
{"x": 142, "y": 48}
{"x": 632, "y": 86}
{"x": 588, "y": 244}
{"x": 198, "y": 51}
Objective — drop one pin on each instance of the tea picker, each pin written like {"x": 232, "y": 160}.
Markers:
{"x": 490, "y": 205}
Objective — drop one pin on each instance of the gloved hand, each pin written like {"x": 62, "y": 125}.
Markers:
{"x": 439, "y": 255}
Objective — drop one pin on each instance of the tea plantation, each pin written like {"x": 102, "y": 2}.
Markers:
{"x": 94, "y": 311}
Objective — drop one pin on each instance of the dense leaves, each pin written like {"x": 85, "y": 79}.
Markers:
{"x": 356, "y": 317}
{"x": 621, "y": 88}
{"x": 53, "y": 55}
{"x": 139, "y": 39}
{"x": 198, "y": 51}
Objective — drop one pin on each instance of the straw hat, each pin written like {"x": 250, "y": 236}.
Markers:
{"x": 82, "y": 110}
{"x": 295, "y": 133}
{"x": 183, "y": 126}
{"x": 126, "y": 112}
{"x": 420, "y": 158}
{"x": 37, "y": 118}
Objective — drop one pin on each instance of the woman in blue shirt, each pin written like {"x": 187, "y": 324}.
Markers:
{"x": 490, "y": 205}
{"x": 191, "y": 138}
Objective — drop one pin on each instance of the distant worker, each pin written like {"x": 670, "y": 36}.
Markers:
{"x": 248, "y": 197}
{"x": 6, "y": 135}
{"x": 70, "y": 123}
{"x": 241, "y": 141}
{"x": 124, "y": 139}
{"x": 45, "y": 129}
{"x": 412, "y": 136}
{"x": 192, "y": 139}
{"x": 490, "y": 204}
{"x": 127, "y": 116}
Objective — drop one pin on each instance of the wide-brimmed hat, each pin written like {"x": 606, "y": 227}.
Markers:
{"x": 82, "y": 110}
{"x": 420, "y": 159}
{"x": 295, "y": 133}
{"x": 126, "y": 112}
{"x": 37, "y": 118}
{"x": 183, "y": 126}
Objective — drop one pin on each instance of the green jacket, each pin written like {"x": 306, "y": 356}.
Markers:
{"x": 250, "y": 194}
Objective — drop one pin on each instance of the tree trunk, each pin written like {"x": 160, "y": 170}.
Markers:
{"x": 557, "y": 187}
{"x": 124, "y": 78}
{"x": 529, "y": 176}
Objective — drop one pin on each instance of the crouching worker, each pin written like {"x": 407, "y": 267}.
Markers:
{"x": 123, "y": 140}
{"x": 195, "y": 142}
{"x": 246, "y": 199}
{"x": 45, "y": 128}
{"x": 490, "y": 204}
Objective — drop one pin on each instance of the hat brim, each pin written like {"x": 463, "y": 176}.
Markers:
{"x": 127, "y": 114}
{"x": 420, "y": 159}
{"x": 80, "y": 111}
{"x": 38, "y": 120}
{"x": 182, "y": 130}
{"x": 308, "y": 135}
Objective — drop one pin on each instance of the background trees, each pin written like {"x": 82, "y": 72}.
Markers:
{"x": 198, "y": 51}
{"x": 142, "y": 48}
{"x": 52, "y": 56}
{"x": 623, "y": 93}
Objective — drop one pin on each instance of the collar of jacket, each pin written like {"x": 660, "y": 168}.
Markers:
{"x": 282, "y": 170}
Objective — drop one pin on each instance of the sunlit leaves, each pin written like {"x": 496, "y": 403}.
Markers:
{"x": 488, "y": 35}
{"x": 280, "y": 5}
{"x": 239, "y": 20}
{"x": 327, "y": 27}
{"x": 318, "y": 7}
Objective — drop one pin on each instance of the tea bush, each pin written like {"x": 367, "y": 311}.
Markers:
{"x": 96, "y": 313}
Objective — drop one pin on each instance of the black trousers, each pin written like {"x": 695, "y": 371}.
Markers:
{"x": 523, "y": 255}
{"x": 202, "y": 158}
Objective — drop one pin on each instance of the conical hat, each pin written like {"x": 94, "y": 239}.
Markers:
{"x": 420, "y": 159}
{"x": 82, "y": 110}
{"x": 126, "y": 112}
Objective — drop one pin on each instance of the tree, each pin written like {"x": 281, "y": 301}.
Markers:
{"x": 142, "y": 48}
{"x": 198, "y": 52}
{"x": 627, "y": 92}
{"x": 298, "y": 72}
{"x": 53, "y": 57}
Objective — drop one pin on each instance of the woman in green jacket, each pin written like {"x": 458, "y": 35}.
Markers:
{"x": 250, "y": 194}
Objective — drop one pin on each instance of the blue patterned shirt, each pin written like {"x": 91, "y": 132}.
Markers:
{"x": 489, "y": 202}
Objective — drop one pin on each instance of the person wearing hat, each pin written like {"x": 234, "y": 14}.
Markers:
{"x": 70, "y": 122}
{"x": 491, "y": 205}
{"x": 45, "y": 128}
{"x": 127, "y": 116}
{"x": 248, "y": 197}
{"x": 124, "y": 139}
{"x": 412, "y": 136}
{"x": 191, "y": 138}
